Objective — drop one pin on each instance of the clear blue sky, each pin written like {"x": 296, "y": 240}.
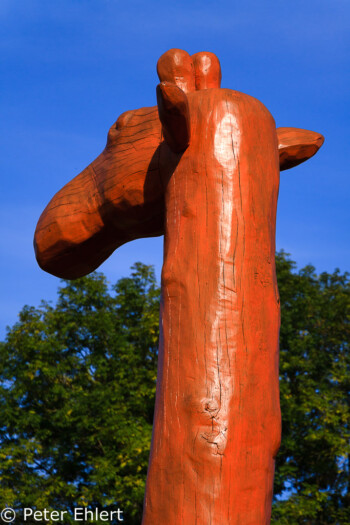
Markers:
{"x": 70, "y": 67}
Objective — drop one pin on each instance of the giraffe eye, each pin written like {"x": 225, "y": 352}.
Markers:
{"x": 123, "y": 119}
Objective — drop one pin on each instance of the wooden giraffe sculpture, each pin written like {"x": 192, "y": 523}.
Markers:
{"x": 202, "y": 169}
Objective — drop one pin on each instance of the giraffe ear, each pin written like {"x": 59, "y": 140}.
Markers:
{"x": 296, "y": 146}
{"x": 174, "y": 115}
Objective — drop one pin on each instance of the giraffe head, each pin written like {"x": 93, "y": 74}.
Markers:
{"x": 195, "y": 126}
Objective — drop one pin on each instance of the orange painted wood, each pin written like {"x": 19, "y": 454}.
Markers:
{"x": 116, "y": 199}
{"x": 296, "y": 146}
{"x": 207, "y": 70}
{"x": 205, "y": 173}
{"x": 174, "y": 115}
{"x": 176, "y": 66}
{"x": 217, "y": 421}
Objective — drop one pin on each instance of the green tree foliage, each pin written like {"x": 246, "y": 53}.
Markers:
{"x": 77, "y": 387}
{"x": 312, "y": 482}
{"x": 77, "y": 394}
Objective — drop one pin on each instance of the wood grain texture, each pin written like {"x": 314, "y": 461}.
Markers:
{"x": 116, "y": 199}
{"x": 217, "y": 418}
